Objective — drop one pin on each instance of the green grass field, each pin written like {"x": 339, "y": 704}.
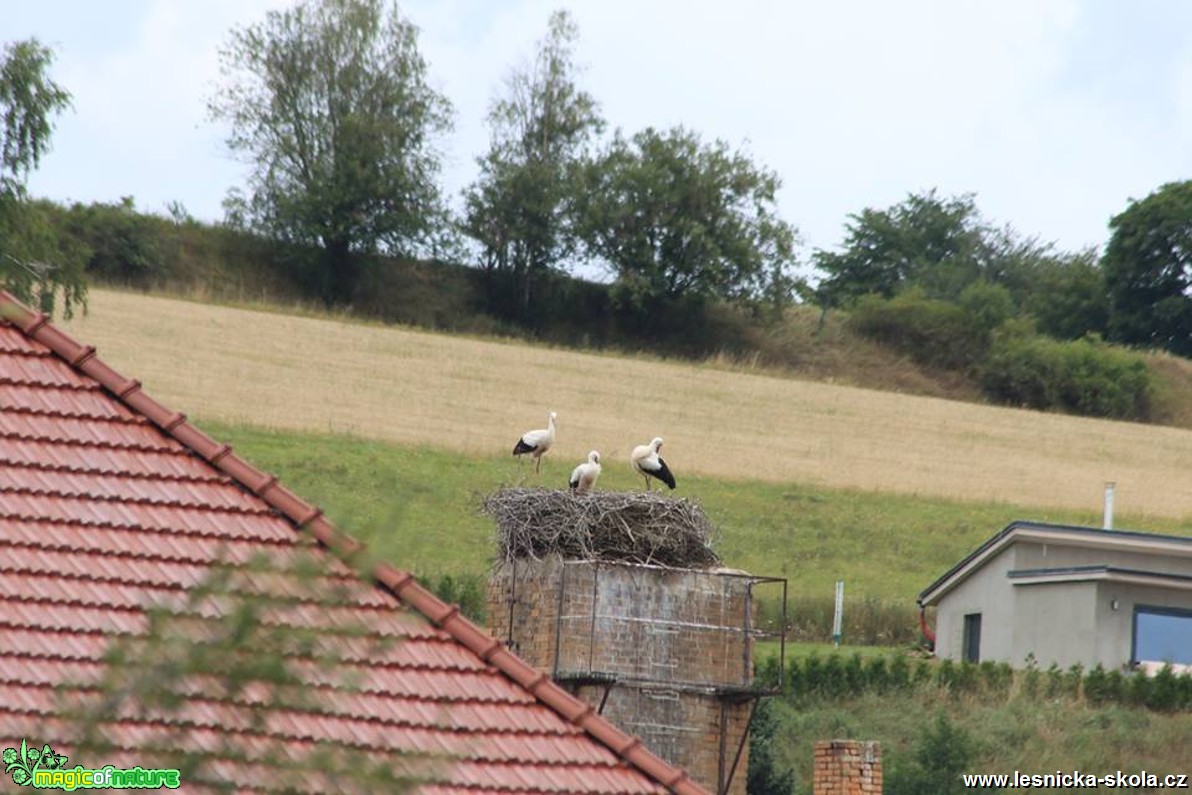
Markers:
{"x": 419, "y": 508}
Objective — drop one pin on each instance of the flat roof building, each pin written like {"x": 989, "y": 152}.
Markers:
{"x": 1067, "y": 595}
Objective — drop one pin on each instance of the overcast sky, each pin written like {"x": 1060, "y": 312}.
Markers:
{"x": 1055, "y": 113}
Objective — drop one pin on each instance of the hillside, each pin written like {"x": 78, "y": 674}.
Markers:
{"x": 476, "y": 396}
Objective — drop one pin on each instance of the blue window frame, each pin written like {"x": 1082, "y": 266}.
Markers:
{"x": 1162, "y": 634}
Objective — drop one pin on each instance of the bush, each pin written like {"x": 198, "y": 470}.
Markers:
{"x": 125, "y": 245}
{"x": 465, "y": 590}
{"x": 1084, "y": 376}
{"x": 934, "y": 333}
{"x": 766, "y": 775}
{"x": 941, "y": 754}
{"x": 814, "y": 679}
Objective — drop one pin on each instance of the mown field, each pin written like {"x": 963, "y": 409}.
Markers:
{"x": 474, "y": 397}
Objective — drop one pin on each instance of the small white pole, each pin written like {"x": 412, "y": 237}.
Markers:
{"x": 1107, "y": 524}
{"x": 838, "y": 620}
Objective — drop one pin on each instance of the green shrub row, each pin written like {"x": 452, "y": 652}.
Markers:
{"x": 1082, "y": 376}
{"x": 815, "y": 678}
{"x": 976, "y": 336}
{"x": 933, "y": 332}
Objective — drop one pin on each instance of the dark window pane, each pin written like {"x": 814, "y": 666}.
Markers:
{"x": 972, "y": 638}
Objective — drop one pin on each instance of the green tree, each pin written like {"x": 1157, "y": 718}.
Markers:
{"x": 679, "y": 219}
{"x": 125, "y": 246}
{"x": 1148, "y": 271}
{"x": 32, "y": 264}
{"x": 939, "y": 244}
{"x": 517, "y": 210}
{"x": 943, "y": 247}
{"x": 329, "y": 102}
{"x": 1066, "y": 295}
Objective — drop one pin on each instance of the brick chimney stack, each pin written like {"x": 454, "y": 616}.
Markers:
{"x": 847, "y": 767}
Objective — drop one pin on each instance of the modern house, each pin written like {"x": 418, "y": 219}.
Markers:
{"x": 1067, "y": 595}
{"x": 115, "y": 513}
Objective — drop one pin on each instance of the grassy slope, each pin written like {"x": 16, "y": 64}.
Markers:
{"x": 476, "y": 396}
{"x": 418, "y": 507}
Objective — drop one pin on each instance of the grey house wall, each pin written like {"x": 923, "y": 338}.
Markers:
{"x": 986, "y": 592}
{"x": 1059, "y": 622}
{"x": 1056, "y": 622}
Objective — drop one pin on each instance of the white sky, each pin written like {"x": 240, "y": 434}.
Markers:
{"x": 1055, "y": 113}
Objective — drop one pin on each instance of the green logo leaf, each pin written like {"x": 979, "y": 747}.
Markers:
{"x": 21, "y": 765}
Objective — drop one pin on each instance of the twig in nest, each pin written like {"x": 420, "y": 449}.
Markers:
{"x": 630, "y": 527}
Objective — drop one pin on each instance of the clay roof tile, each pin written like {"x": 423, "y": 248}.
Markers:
{"x": 111, "y": 503}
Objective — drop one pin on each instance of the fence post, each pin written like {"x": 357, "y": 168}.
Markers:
{"x": 838, "y": 620}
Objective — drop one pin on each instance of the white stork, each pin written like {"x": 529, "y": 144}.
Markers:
{"x": 584, "y": 476}
{"x": 646, "y": 461}
{"x": 537, "y": 442}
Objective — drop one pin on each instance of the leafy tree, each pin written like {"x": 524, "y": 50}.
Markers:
{"x": 32, "y": 264}
{"x": 329, "y": 101}
{"x": 124, "y": 245}
{"x": 944, "y": 247}
{"x": 677, "y": 218}
{"x": 1148, "y": 271}
{"x": 939, "y": 244}
{"x": 517, "y": 210}
{"x": 1065, "y": 294}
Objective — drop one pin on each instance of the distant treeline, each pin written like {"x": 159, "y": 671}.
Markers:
{"x": 987, "y": 333}
{"x": 127, "y": 248}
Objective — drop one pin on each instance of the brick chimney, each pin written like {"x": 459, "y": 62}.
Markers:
{"x": 847, "y": 767}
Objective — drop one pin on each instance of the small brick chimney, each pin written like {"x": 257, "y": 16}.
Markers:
{"x": 847, "y": 767}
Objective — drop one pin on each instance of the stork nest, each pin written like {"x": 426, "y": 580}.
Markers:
{"x": 624, "y": 527}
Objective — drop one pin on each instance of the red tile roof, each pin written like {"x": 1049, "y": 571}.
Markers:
{"x": 109, "y": 502}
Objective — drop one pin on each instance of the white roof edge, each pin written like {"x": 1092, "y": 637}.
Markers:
{"x": 1057, "y": 534}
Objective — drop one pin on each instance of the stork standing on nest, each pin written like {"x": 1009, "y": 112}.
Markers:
{"x": 537, "y": 442}
{"x": 649, "y": 464}
{"x": 583, "y": 477}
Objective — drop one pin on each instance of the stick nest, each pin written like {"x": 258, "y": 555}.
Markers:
{"x": 624, "y": 527}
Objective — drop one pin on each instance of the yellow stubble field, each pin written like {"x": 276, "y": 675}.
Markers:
{"x": 478, "y": 396}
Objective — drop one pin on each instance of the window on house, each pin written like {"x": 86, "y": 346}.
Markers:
{"x": 971, "y": 651}
{"x": 1163, "y": 634}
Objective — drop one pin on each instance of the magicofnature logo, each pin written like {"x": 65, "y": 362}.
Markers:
{"x": 45, "y": 769}
{"x": 23, "y": 765}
